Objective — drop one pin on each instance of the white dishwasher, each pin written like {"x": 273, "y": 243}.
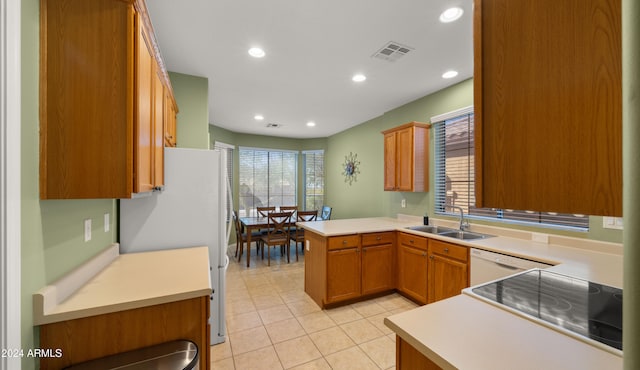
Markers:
{"x": 487, "y": 266}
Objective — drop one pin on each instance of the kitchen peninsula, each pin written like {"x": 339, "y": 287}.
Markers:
{"x": 464, "y": 332}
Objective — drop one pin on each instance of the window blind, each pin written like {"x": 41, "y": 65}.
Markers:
{"x": 267, "y": 178}
{"x": 313, "y": 179}
{"x": 455, "y": 177}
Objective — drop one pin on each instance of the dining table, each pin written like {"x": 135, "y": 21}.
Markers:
{"x": 253, "y": 223}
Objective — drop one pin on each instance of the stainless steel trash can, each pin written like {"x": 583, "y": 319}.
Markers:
{"x": 176, "y": 355}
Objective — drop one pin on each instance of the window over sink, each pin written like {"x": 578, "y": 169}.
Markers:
{"x": 454, "y": 178}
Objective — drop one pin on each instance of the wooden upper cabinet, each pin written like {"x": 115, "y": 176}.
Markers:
{"x": 143, "y": 132}
{"x": 98, "y": 62}
{"x": 406, "y": 158}
{"x": 548, "y": 105}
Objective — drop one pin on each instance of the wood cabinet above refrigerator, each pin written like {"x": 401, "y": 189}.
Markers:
{"x": 548, "y": 105}
{"x": 101, "y": 107}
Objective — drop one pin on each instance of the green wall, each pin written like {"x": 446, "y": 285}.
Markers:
{"x": 52, "y": 230}
{"x": 192, "y": 94}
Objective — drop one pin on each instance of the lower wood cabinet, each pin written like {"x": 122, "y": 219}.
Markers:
{"x": 412, "y": 267}
{"x": 430, "y": 270}
{"x": 448, "y": 270}
{"x": 409, "y": 358}
{"x": 344, "y": 268}
{"x": 343, "y": 274}
{"x": 348, "y": 267}
{"x": 98, "y": 336}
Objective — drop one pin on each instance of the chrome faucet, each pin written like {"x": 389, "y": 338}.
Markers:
{"x": 463, "y": 224}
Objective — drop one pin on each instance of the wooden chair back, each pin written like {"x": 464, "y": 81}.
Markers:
{"x": 288, "y": 208}
{"x": 278, "y": 223}
{"x": 307, "y": 216}
{"x": 264, "y": 211}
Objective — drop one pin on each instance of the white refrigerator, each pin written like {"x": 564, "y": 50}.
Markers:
{"x": 190, "y": 211}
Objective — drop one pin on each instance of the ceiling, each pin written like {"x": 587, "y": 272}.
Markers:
{"x": 313, "y": 48}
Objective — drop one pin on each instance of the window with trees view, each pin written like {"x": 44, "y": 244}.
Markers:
{"x": 266, "y": 178}
{"x": 454, "y": 177}
{"x": 313, "y": 179}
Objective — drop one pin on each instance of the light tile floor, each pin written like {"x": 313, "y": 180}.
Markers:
{"x": 273, "y": 324}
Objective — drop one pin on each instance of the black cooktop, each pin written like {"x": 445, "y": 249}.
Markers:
{"x": 589, "y": 309}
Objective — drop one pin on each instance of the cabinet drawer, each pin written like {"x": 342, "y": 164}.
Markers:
{"x": 377, "y": 239}
{"x": 346, "y": 241}
{"x": 449, "y": 250}
{"x": 413, "y": 241}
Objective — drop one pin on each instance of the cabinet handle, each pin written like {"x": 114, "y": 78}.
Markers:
{"x": 411, "y": 241}
{"x": 378, "y": 238}
{"x": 344, "y": 242}
{"x": 431, "y": 256}
{"x": 424, "y": 254}
{"x": 446, "y": 250}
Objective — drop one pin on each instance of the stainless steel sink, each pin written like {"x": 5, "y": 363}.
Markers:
{"x": 464, "y": 235}
{"x": 431, "y": 229}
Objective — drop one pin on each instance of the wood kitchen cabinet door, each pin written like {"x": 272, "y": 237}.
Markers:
{"x": 143, "y": 145}
{"x": 448, "y": 270}
{"x": 158, "y": 128}
{"x": 377, "y": 269}
{"x": 412, "y": 273}
{"x": 343, "y": 274}
{"x": 548, "y": 105}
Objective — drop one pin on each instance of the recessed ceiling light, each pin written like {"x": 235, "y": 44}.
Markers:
{"x": 258, "y": 117}
{"x": 450, "y": 74}
{"x": 451, "y": 15}
{"x": 256, "y": 52}
{"x": 359, "y": 77}
{"x": 311, "y": 123}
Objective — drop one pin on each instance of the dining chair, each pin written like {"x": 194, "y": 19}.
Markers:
{"x": 326, "y": 213}
{"x": 278, "y": 233}
{"x": 241, "y": 238}
{"x": 264, "y": 211}
{"x": 298, "y": 235}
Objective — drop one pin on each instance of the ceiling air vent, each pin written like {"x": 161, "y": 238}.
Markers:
{"x": 273, "y": 125}
{"x": 392, "y": 51}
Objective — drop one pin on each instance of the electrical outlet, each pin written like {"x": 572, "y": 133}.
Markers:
{"x": 403, "y": 203}
{"x": 107, "y": 223}
{"x": 87, "y": 229}
{"x": 612, "y": 223}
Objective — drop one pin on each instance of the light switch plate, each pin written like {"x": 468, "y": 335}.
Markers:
{"x": 403, "y": 203}
{"x": 307, "y": 247}
{"x": 87, "y": 229}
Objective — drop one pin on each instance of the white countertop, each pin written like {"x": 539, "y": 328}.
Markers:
{"x": 129, "y": 281}
{"x": 466, "y": 333}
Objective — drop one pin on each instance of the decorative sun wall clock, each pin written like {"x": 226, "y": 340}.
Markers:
{"x": 351, "y": 167}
